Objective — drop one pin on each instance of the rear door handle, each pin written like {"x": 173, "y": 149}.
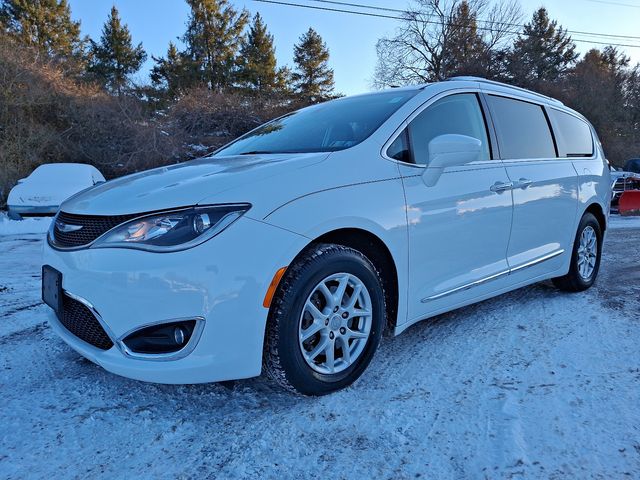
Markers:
{"x": 500, "y": 187}
{"x": 523, "y": 183}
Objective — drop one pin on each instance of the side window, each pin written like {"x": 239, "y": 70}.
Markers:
{"x": 522, "y": 129}
{"x": 456, "y": 114}
{"x": 399, "y": 149}
{"x": 573, "y": 135}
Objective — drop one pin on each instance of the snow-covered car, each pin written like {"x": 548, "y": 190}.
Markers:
{"x": 291, "y": 249}
{"x": 42, "y": 192}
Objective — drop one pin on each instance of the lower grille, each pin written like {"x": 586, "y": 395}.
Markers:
{"x": 92, "y": 226}
{"x": 81, "y": 322}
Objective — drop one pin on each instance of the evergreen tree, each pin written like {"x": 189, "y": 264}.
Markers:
{"x": 599, "y": 88}
{"x": 213, "y": 39}
{"x": 115, "y": 57}
{"x": 44, "y": 24}
{"x": 312, "y": 77}
{"x": 466, "y": 51}
{"x": 257, "y": 63}
{"x": 171, "y": 74}
{"x": 543, "y": 53}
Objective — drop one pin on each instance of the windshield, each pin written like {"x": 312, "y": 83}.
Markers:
{"x": 328, "y": 127}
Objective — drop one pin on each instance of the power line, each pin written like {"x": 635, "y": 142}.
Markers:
{"x": 377, "y": 15}
{"x": 606, "y": 2}
{"x": 517, "y": 25}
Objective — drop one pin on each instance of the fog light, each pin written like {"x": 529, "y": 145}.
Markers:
{"x": 160, "y": 339}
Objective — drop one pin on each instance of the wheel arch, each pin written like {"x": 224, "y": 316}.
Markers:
{"x": 375, "y": 249}
{"x": 596, "y": 210}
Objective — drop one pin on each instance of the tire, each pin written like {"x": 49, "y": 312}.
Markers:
{"x": 578, "y": 280}
{"x": 287, "y": 360}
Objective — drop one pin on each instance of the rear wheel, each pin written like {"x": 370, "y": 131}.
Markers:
{"x": 326, "y": 321}
{"x": 585, "y": 258}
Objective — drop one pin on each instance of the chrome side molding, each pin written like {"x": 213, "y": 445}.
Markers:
{"x": 509, "y": 271}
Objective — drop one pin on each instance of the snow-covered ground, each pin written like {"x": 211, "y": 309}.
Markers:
{"x": 535, "y": 384}
{"x": 22, "y": 227}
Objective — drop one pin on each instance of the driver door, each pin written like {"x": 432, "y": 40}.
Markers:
{"x": 458, "y": 228}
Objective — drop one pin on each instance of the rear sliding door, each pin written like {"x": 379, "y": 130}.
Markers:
{"x": 545, "y": 188}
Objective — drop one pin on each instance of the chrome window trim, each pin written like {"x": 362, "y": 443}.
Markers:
{"x": 508, "y": 271}
{"x": 164, "y": 357}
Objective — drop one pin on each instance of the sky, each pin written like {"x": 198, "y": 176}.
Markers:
{"x": 351, "y": 38}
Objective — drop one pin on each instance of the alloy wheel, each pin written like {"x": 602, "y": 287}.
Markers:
{"x": 587, "y": 252}
{"x": 335, "y": 323}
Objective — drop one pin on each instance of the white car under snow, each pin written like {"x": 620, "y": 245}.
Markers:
{"x": 42, "y": 192}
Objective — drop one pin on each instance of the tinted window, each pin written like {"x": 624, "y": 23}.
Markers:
{"x": 522, "y": 129}
{"x": 572, "y": 134}
{"x": 399, "y": 149}
{"x": 457, "y": 114}
{"x": 327, "y": 127}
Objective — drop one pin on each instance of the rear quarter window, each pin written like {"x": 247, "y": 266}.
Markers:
{"x": 522, "y": 128}
{"x": 572, "y": 134}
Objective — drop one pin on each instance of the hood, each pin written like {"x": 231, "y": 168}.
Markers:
{"x": 185, "y": 184}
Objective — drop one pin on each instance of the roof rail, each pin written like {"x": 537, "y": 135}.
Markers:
{"x": 501, "y": 84}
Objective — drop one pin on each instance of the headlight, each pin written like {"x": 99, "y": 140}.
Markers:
{"x": 172, "y": 230}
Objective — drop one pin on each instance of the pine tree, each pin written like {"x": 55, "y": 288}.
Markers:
{"x": 115, "y": 57}
{"x": 312, "y": 78}
{"x": 171, "y": 74}
{"x": 257, "y": 63}
{"x": 543, "y": 53}
{"x": 213, "y": 39}
{"x": 466, "y": 51}
{"x": 599, "y": 87}
{"x": 44, "y": 24}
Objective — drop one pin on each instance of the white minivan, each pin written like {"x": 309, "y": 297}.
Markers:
{"x": 289, "y": 251}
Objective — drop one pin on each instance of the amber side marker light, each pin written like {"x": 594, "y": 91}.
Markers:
{"x": 272, "y": 287}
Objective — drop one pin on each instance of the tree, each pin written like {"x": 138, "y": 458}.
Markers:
{"x": 441, "y": 38}
{"x": 312, "y": 77}
{"x": 467, "y": 51}
{"x": 544, "y": 52}
{"x": 213, "y": 39}
{"x": 601, "y": 87}
{"x": 171, "y": 74}
{"x": 115, "y": 57}
{"x": 44, "y": 24}
{"x": 257, "y": 65}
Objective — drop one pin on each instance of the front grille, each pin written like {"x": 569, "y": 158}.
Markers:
{"x": 80, "y": 321}
{"x": 93, "y": 226}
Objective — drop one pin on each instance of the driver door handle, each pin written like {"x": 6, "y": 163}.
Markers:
{"x": 500, "y": 187}
{"x": 523, "y": 183}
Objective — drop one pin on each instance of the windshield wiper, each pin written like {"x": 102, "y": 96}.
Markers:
{"x": 257, "y": 152}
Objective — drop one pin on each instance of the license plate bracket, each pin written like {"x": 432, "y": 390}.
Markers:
{"x": 52, "y": 288}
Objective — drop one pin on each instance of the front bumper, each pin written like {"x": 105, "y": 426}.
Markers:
{"x": 16, "y": 212}
{"x": 224, "y": 281}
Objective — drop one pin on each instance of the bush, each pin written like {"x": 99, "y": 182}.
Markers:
{"x": 48, "y": 113}
{"x": 208, "y": 120}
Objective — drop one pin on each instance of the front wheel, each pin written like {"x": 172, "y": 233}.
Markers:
{"x": 326, "y": 321}
{"x": 585, "y": 258}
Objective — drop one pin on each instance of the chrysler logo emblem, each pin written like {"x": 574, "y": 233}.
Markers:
{"x": 66, "y": 228}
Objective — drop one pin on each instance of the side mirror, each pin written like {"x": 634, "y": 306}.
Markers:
{"x": 449, "y": 151}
